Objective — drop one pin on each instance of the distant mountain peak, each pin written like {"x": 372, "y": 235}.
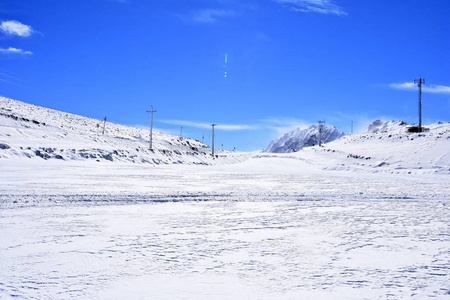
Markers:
{"x": 299, "y": 138}
{"x": 380, "y": 126}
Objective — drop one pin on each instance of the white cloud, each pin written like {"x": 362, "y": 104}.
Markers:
{"x": 208, "y": 125}
{"x": 12, "y": 50}
{"x": 236, "y": 127}
{"x": 403, "y": 86}
{"x": 278, "y": 125}
{"x": 432, "y": 88}
{"x": 16, "y": 28}
{"x": 317, "y": 6}
{"x": 437, "y": 89}
{"x": 283, "y": 125}
{"x": 361, "y": 121}
{"x": 210, "y": 15}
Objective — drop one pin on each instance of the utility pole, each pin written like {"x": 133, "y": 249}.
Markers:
{"x": 104, "y": 125}
{"x": 419, "y": 82}
{"x": 213, "y": 125}
{"x": 151, "y": 111}
{"x": 321, "y": 123}
{"x": 181, "y": 132}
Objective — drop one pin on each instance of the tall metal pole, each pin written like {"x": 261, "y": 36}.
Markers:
{"x": 181, "y": 132}
{"x": 419, "y": 82}
{"x": 213, "y": 125}
{"x": 151, "y": 111}
{"x": 320, "y": 132}
{"x": 104, "y": 125}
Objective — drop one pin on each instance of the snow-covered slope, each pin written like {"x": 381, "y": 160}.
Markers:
{"x": 33, "y": 132}
{"x": 320, "y": 222}
{"x": 383, "y": 147}
{"x": 380, "y": 126}
{"x": 303, "y": 137}
{"x": 30, "y": 131}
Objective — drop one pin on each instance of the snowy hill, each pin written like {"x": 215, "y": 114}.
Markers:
{"x": 380, "y": 126}
{"x": 299, "y": 138}
{"x": 384, "y": 147}
{"x": 30, "y": 131}
{"x": 371, "y": 206}
{"x": 33, "y": 132}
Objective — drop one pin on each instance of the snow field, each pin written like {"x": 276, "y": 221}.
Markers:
{"x": 91, "y": 216}
{"x": 367, "y": 249}
{"x": 276, "y": 230}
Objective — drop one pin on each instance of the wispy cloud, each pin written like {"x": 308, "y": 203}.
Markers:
{"x": 360, "y": 121}
{"x": 279, "y": 125}
{"x": 432, "y": 88}
{"x": 15, "y": 51}
{"x": 16, "y": 28}
{"x": 210, "y": 15}
{"x": 208, "y": 125}
{"x": 316, "y": 6}
{"x": 283, "y": 125}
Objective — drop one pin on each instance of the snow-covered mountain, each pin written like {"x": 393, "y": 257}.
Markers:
{"x": 31, "y": 131}
{"x": 385, "y": 147}
{"x": 303, "y": 137}
{"x": 380, "y": 126}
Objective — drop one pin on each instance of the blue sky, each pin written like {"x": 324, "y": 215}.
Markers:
{"x": 290, "y": 62}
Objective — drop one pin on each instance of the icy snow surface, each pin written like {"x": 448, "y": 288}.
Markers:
{"x": 365, "y": 217}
